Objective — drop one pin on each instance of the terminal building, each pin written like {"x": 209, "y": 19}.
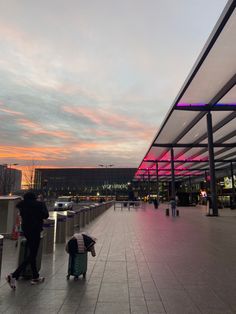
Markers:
{"x": 10, "y": 179}
{"x": 83, "y": 181}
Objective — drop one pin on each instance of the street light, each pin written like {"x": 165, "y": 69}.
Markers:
{"x": 106, "y": 166}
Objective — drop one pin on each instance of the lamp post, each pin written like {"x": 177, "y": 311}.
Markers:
{"x": 106, "y": 182}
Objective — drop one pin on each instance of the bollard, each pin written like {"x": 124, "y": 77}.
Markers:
{"x": 81, "y": 218}
{"x": 1, "y": 249}
{"x": 61, "y": 228}
{"x": 70, "y": 223}
{"x": 49, "y": 232}
{"x": 85, "y": 215}
{"x": 92, "y": 212}
{"x": 85, "y": 211}
{"x": 97, "y": 211}
{"x": 88, "y": 215}
{"x": 77, "y": 219}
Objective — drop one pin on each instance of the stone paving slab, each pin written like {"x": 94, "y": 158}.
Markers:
{"x": 146, "y": 263}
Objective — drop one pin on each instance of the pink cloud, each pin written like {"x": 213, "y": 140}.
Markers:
{"x": 35, "y": 128}
{"x": 9, "y": 111}
{"x": 106, "y": 118}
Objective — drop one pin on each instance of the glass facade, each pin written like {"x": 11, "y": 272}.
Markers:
{"x": 83, "y": 181}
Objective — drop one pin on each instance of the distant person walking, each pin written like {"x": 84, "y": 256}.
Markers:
{"x": 32, "y": 213}
{"x": 173, "y": 206}
{"x": 155, "y": 203}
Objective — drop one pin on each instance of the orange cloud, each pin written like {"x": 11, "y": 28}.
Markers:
{"x": 29, "y": 153}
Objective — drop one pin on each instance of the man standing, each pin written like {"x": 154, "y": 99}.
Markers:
{"x": 32, "y": 213}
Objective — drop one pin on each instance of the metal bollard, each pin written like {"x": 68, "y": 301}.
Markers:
{"x": 88, "y": 215}
{"x": 84, "y": 211}
{"x": 98, "y": 210}
{"x": 84, "y": 216}
{"x": 81, "y": 218}
{"x": 1, "y": 249}
{"x": 70, "y": 223}
{"x": 95, "y": 211}
{"x": 61, "y": 228}
{"x": 91, "y": 212}
{"x": 77, "y": 219}
{"x": 49, "y": 232}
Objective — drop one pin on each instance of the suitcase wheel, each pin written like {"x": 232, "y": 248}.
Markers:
{"x": 76, "y": 278}
{"x": 68, "y": 277}
{"x": 84, "y": 275}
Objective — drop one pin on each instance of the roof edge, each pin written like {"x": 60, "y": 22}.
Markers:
{"x": 222, "y": 20}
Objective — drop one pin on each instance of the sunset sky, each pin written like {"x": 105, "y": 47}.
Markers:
{"x": 85, "y": 83}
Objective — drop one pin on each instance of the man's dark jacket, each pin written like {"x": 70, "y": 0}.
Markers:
{"x": 32, "y": 213}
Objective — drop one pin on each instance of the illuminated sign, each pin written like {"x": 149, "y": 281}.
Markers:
{"x": 228, "y": 182}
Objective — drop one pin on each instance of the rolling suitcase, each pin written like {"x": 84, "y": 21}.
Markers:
{"x": 23, "y": 253}
{"x": 77, "y": 265}
{"x": 177, "y": 212}
{"x": 167, "y": 212}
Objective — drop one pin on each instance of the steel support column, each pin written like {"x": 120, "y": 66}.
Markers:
{"x": 233, "y": 186}
{"x": 148, "y": 184}
{"x": 172, "y": 174}
{"x": 157, "y": 177}
{"x": 191, "y": 190}
{"x": 212, "y": 165}
{"x": 144, "y": 186}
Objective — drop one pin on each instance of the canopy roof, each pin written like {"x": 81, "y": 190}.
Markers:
{"x": 211, "y": 85}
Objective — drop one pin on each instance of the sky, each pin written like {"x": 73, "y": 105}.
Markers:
{"x": 84, "y": 83}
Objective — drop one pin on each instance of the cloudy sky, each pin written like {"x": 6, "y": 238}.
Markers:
{"x": 84, "y": 83}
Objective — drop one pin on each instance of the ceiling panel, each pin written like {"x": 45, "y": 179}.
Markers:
{"x": 227, "y": 129}
{"x": 175, "y": 125}
{"x": 217, "y": 69}
{"x": 230, "y": 97}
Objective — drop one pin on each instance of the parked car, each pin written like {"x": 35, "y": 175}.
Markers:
{"x": 63, "y": 203}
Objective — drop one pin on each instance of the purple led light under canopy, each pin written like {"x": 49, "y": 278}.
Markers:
{"x": 202, "y": 105}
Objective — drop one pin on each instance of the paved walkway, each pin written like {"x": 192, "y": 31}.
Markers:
{"x": 146, "y": 263}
